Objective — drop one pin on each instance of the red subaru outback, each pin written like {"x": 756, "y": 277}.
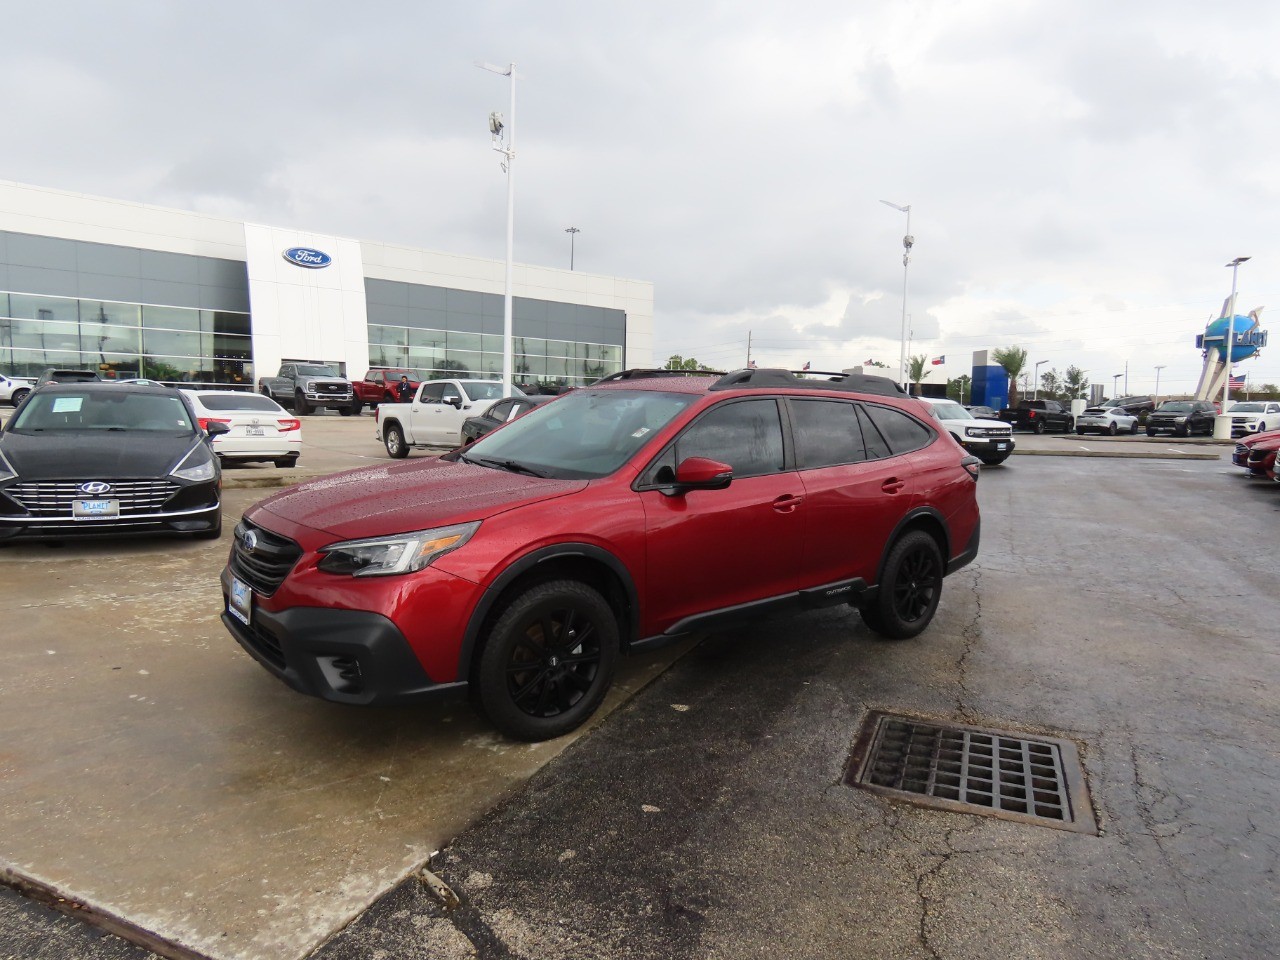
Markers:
{"x": 614, "y": 519}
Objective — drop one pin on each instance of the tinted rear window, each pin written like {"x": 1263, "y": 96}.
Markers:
{"x": 827, "y": 433}
{"x": 901, "y": 432}
{"x": 244, "y": 401}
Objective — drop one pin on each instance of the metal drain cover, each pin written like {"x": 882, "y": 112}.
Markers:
{"x": 972, "y": 770}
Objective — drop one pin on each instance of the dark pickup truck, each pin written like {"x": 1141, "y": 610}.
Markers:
{"x": 1039, "y": 416}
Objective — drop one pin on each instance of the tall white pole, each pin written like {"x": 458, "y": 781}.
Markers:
{"x": 1159, "y": 367}
{"x": 907, "y": 242}
{"x": 1222, "y": 425}
{"x": 508, "y": 150}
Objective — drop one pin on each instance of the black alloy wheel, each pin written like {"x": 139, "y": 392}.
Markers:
{"x": 1112, "y": 429}
{"x": 1151, "y": 431}
{"x": 397, "y": 449}
{"x": 910, "y": 588}
{"x": 548, "y": 661}
{"x": 1039, "y": 427}
{"x": 18, "y": 397}
{"x": 1133, "y": 427}
{"x": 1071, "y": 425}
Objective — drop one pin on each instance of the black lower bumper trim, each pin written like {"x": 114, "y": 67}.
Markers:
{"x": 346, "y": 656}
{"x": 970, "y": 551}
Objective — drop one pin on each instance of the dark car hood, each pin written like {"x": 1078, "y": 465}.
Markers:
{"x": 94, "y": 454}
{"x": 396, "y": 498}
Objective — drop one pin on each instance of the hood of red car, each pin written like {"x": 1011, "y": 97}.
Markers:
{"x": 1269, "y": 439}
{"x": 418, "y": 495}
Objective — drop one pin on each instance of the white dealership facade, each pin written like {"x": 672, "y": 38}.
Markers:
{"x": 139, "y": 290}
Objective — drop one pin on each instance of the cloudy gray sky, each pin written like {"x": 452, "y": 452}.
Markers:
{"x": 1078, "y": 172}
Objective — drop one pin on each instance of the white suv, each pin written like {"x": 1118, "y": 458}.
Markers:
{"x": 13, "y": 389}
{"x": 991, "y": 441}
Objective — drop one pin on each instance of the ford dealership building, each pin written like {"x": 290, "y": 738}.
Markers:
{"x": 139, "y": 291}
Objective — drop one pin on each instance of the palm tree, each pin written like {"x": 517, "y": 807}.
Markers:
{"x": 917, "y": 371}
{"x": 1014, "y": 361}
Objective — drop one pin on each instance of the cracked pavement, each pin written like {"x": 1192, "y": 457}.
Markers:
{"x": 708, "y": 819}
{"x": 1110, "y": 605}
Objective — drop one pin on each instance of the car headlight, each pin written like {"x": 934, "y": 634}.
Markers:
{"x": 1180, "y": 420}
{"x": 309, "y": 386}
{"x": 400, "y": 553}
{"x": 197, "y": 466}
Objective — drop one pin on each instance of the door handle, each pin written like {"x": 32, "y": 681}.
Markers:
{"x": 893, "y": 485}
{"x": 787, "y": 502}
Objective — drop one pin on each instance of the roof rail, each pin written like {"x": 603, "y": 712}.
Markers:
{"x": 649, "y": 373}
{"x": 770, "y": 377}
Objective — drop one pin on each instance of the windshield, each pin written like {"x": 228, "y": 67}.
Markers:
{"x": 125, "y": 411}
{"x": 1249, "y": 406}
{"x": 487, "y": 389}
{"x": 581, "y": 435}
{"x": 951, "y": 411}
{"x": 1175, "y": 406}
{"x": 315, "y": 370}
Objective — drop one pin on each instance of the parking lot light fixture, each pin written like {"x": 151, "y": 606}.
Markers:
{"x": 1035, "y": 387}
{"x": 497, "y": 130}
{"x": 1115, "y": 384}
{"x": 1222, "y": 425}
{"x": 1159, "y": 367}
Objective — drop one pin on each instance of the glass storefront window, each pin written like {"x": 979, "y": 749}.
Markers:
{"x": 223, "y": 321}
{"x": 390, "y": 336}
{"x": 26, "y": 307}
{"x": 462, "y": 341}
{"x": 559, "y": 348}
{"x": 386, "y": 355}
{"x": 99, "y": 311}
{"x": 171, "y": 318}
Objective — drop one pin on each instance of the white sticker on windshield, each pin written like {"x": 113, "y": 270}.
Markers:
{"x": 640, "y": 433}
{"x": 67, "y": 404}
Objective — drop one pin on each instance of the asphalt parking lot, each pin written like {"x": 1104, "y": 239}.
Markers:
{"x": 155, "y": 772}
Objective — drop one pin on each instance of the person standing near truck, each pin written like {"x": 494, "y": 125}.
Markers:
{"x": 404, "y": 390}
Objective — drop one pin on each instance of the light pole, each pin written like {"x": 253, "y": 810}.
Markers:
{"x": 1035, "y": 392}
{"x": 573, "y": 233}
{"x": 908, "y": 242}
{"x": 1222, "y": 425}
{"x": 1115, "y": 383}
{"x": 508, "y": 150}
{"x": 1159, "y": 367}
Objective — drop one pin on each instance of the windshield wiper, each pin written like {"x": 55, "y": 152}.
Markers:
{"x": 513, "y": 465}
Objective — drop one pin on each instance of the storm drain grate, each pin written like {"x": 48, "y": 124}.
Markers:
{"x": 972, "y": 770}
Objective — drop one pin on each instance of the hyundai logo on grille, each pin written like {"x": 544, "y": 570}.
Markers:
{"x": 307, "y": 257}
{"x": 249, "y": 541}
{"x": 95, "y": 488}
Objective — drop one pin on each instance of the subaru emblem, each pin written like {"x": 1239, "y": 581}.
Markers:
{"x": 95, "y": 488}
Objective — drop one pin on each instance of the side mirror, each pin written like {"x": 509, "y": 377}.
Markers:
{"x": 455, "y": 402}
{"x": 216, "y": 429}
{"x": 700, "y": 473}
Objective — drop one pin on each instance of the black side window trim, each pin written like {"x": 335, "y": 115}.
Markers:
{"x": 933, "y": 434}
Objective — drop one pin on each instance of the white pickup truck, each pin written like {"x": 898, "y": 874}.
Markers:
{"x": 434, "y": 417}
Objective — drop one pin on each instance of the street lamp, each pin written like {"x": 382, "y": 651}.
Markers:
{"x": 1035, "y": 392}
{"x": 573, "y": 233}
{"x": 508, "y": 150}
{"x": 1159, "y": 367}
{"x": 1222, "y": 425}
{"x": 1115, "y": 383}
{"x": 908, "y": 242}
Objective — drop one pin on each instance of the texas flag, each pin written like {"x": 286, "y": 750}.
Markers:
{"x": 806, "y": 365}
{"x": 938, "y": 361}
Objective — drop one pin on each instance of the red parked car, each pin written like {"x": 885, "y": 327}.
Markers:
{"x": 618, "y": 518}
{"x": 1257, "y": 454}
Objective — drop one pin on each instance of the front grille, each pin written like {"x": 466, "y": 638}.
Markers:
{"x": 52, "y": 499}
{"x": 968, "y": 769}
{"x": 268, "y": 563}
{"x": 264, "y": 643}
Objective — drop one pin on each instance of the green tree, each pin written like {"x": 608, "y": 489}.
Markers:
{"x": 1051, "y": 385}
{"x": 677, "y": 362}
{"x": 960, "y": 389}
{"x": 1075, "y": 385}
{"x": 917, "y": 370}
{"x": 1014, "y": 361}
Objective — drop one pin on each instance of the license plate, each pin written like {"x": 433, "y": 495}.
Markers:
{"x": 90, "y": 509}
{"x": 253, "y": 431}
{"x": 240, "y": 603}
{"x": 1001, "y": 446}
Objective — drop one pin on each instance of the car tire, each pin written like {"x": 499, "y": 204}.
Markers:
{"x": 1071, "y": 425}
{"x": 533, "y": 687}
{"x": 18, "y": 396}
{"x": 1112, "y": 429}
{"x": 1038, "y": 427}
{"x": 994, "y": 461}
{"x": 286, "y": 463}
{"x": 393, "y": 440}
{"x": 300, "y": 406}
{"x": 910, "y": 588}
{"x": 1182, "y": 431}
{"x": 1079, "y": 431}
{"x": 1150, "y": 432}
{"x": 1133, "y": 427}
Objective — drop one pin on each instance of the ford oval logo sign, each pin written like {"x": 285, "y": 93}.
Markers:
{"x": 306, "y": 257}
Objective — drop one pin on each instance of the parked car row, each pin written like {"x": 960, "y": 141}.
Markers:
{"x": 1257, "y": 454}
